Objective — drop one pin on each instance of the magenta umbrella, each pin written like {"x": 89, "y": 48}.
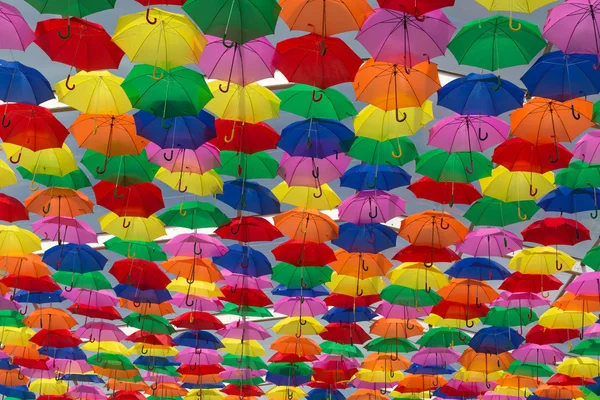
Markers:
{"x": 490, "y": 242}
{"x": 388, "y": 310}
{"x": 246, "y": 282}
{"x": 85, "y": 389}
{"x": 333, "y": 361}
{"x": 244, "y": 329}
{"x": 400, "y": 38}
{"x": 520, "y": 299}
{"x": 241, "y": 373}
{"x": 471, "y": 387}
{"x": 371, "y": 207}
{"x": 15, "y": 32}
{"x": 293, "y": 306}
{"x": 593, "y": 331}
{"x": 38, "y": 373}
{"x": 101, "y": 332}
{"x": 195, "y": 244}
{"x": 460, "y": 133}
{"x": 587, "y": 149}
{"x": 312, "y": 172}
{"x": 587, "y": 284}
{"x": 499, "y": 396}
{"x": 434, "y": 356}
{"x": 159, "y": 378}
{"x": 7, "y": 304}
{"x": 538, "y": 353}
{"x": 241, "y": 64}
{"x": 199, "y": 356}
{"x": 199, "y": 161}
{"x": 360, "y": 384}
{"x": 71, "y": 230}
{"x": 95, "y": 298}
{"x": 198, "y": 303}
{"x": 73, "y": 366}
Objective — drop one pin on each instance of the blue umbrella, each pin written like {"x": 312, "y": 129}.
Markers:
{"x": 78, "y": 258}
{"x": 380, "y": 177}
{"x": 22, "y": 84}
{"x": 70, "y": 353}
{"x": 249, "y": 196}
{"x": 595, "y": 388}
{"x": 157, "y": 361}
{"x": 285, "y": 380}
{"x": 570, "y": 201}
{"x": 495, "y": 340}
{"x": 17, "y": 392}
{"x": 79, "y": 378}
{"x": 187, "y": 132}
{"x": 419, "y": 369}
{"x": 317, "y": 138}
{"x": 365, "y": 238}
{"x": 198, "y": 340}
{"x": 142, "y": 296}
{"x": 317, "y": 291}
{"x": 479, "y": 268}
{"x": 23, "y": 296}
{"x": 324, "y": 394}
{"x": 479, "y": 94}
{"x": 349, "y": 315}
{"x": 562, "y": 77}
{"x": 244, "y": 260}
{"x": 6, "y": 363}
{"x": 188, "y": 385}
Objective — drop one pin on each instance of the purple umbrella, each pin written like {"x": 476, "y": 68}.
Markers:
{"x": 245, "y": 281}
{"x": 199, "y": 161}
{"x": 388, "y": 310}
{"x": 371, "y": 207}
{"x": 241, "y": 64}
{"x": 360, "y": 384}
{"x": 293, "y": 306}
{"x": 199, "y": 356}
{"x": 587, "y": 284}
{"x": 71, "y": 230}
{"x": 538, "y": 353}
{"x": 490, "y": 242}
{"x": 246, "y": 329}
{"x": 85, "y": 389}
{"x": 96, "y": 298}
{"x": 101, "y": 331}
{"x": 435, "y": 356}
{"x": 400, "y": 38}
{"x": 15, "y": 32}
{"x": 460, "y": 133}
{"x": 73, "y": 366}
{"x": 241, "y": 373}
{"x": 191, "y": 244}
{"x": 198, "y": 303}
{"x": 520, "y": 299}
{"x": 7, "y": 304}
{"x": 587, "y": 149}
{"x": 301, "y": 171}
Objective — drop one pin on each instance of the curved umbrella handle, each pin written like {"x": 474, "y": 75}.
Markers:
{"x": 554, "y": 160}
{"x": 180, "y": 189}
{"x": 406, "y": 70}
{"x": 303, "y": 284}
{"x": 46, "y": 208}
{"x": 229, "y": 139}
{"x": 182, "y": 212}
{"x": 126, "y": 224}
{"x": 359, "y": 292}
{"x": 427, "y": 289}
{"x": 469, "y": 323}
{"x": 477, "y": 303}
{"x": 166, "y": 127}
{"x": 17, "y": 160}
{"x": 594, "y": 215}
{"x": 409, "y": 326}
{"x": 320, "y": 193}
{"x": 157, "y": 77}
{"x": 532, "y": 192}
{"x": 187, "y": 300}
{"x": 470, "y": 168}
{"x": 92, "y": 339}
{"x": 462, "y": 337}
{"x": 558, "y": 265}
{"x": 225, "y": 44}
{"x": 226, "y": 88}
{"x": 522, "y": 217}
{"x": 374, "y": 184}
{"x": 4, "y": 123}
{"x": 383, "y": 391}
{"x": 396, "y": 358}
{"x": 144, "y": 351}
{"x": 315, "y": 173}
{"x": 376, "y": 213}
{"x": 245, "y": 263}
{"x": 148, "y": 20}
{"x": 68, "y": 35}
{"x": 530, "y": 315}
{"x": 315, "y": 98}
{"x": 428, "y": 264}
{"x": 236, "y": 230}
{"x": 100, "y": 170}
{"x": 399, "y": 155}
{"x": 444, "y": 225}
{"x": 480, "y": 137}
{"x": 513, "y": 28}
{"x": 197, "y": 251}
{"x": 302, "y": 322}
{"x": 70, "y": 87}
{"x": 576, "y": 115}
{"x": 398, "y": 119}
{"x": 309, "y": 143}
{"x": 116, "y": 193}
{"x": 371, "y": 238}
{"x": 23, "y": 312}
{"x": 137, "y": 304}
{"x": 496, "y": 88}
{"x": 364, "y": 267}
{"x": 451, "y": 203}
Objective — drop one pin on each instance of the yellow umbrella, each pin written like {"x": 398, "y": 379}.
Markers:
{"x": 16, "y": 336}
{"x": 133, "y": 228}
{"x": 378, "y": 376}
{"x": 555, "y": 318}
{"x": 436, "y": 320}
{"x": 412, "y": 395}
{"x": 543, "y": 260}
{"x": 152, "y": 350}
{"x": 321, "y": 198}
{"x": 510, "y": 186}
{"x": 7, "y": 175}
{"x": 17, "y": 242}
{"x": 164, "y": 39}
{"x": 197, "y": 288}
{"x": 106, "y": 347}
{"x": 292, "y": 326}
{"x": 96, "y": 92}
{"x": 512, "y": 391}
{"x": 374, "y": 123}
{"x": 56, "y": 162}
{"x": 251, "y": 103}
{"x": 250, "y": 348}
{"x": 579, "y": 367}
{"x": 285, "y": 393}
{"x": 205, "y": 394}
{"x": 465, "y": 375}
{"x": 204, "y": 184}
{"x": 351, "y": 286}
{"x": 49, "y": 387}
{"x": 523, "y": 6}
{"x": 417, "y": 276}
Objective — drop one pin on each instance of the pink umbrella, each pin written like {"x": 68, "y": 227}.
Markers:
{"x": 312, "y": 172}
{"x": 293, "y": 306}
{"x": 371, "y": 207}
{"x": 101, "y": 331}
{"x": 388, "y": 310}
{"x": 15, "y": 32}
{"x": 241, "y": 64}
{"x": 70, "y": 366}
{"x": 241, "y": 373}
{"x": 195, "y": 244}
{"x": 245, "y": 281}
{"x": 38, "y": 373}
{"x": 538, "y": 353}
{"x": 434, "y": 356}
{"x": 198, "y": 303}
{"x": 199, "y": 356}
{"x": 86, "y": 389}
{"x": 587, "y": 284}
{"x": 95, "y": 298}
{"x": 490, "y": 242}
{"x": 360, "y": 384}
{"x": 520, "y": 299}
{"x": 587, "y": 149}
{"x": 593, "y": 331}
{"x": 244, "y": 329}
{"x": 199, "y": 161}
{"x": 470, "y": 387}
{"x": 500, "y": 396}
{"x": 401, "y": 38}
{"x": 333, "y": 362}
{"x": 7, "y": 304}
{"x": 468, "y": 133}
{"x": 71, "y": 230}
{"x": 159, "y": 378}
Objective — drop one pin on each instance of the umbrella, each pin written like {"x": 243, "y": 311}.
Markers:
{"x": 323, "y": 198}
{"x": 23, "y": 84}
{"x": 365, "y": 177}
{"x": 415, "y": 7}
{"x": 11, "y": 209}
{"x": 16, "y": 33}
{"x": 298, "y": 100}
{"x": 259, "y": 165}
{"x": 511, "y": 186}
{"x": 490, "y": 242}
{"x": 132, "y": 228}
{"x": 444, "y": 192}
{"x": 432, "y": 228}
{"x": 375, "y": 123}
{"x": 463, "y": 167}
{"x": 232, "y": 135}
{"x": 467, "y": 133}
{"x": 252, "y": 103}
{"x": 66, "y": 228}
{"x": 489, "y": 211}
{"x": 369, "y": 207}
{"x": 77, "y": 8}
{"x": 317, "y": 138}
{"x": 32, "y": 127}
{"x": 518, "y": 154}
{"x": 199, "y": 184}
{"x": 249, "y": 229}
{"x": 139, "y": 200}
{"x": 190, "y": 244}
{"x": 554, "y": 231}
{"x": 17, "y": 241}
{"x": 306, "y": 224}
{"x": 249, "y": 196}
{"x": 298, "y": 171}
{"x": 541, "y": 260}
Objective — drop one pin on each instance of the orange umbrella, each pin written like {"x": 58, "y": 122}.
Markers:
{"x": 116, "y": 373}
{"x": 302, "y": 346}
{"x": 485, "y": 362}
{"x": 28, "y": 352}
{"x": 367, "y": 394}
{"x": 166, "y": 390}
{"x": 30, "y": 265}
{"x": 148, "y": 308}
{"x": 306, "y": 225}
{"x": 364, "y": 265}
{"x": 59, "y": 202}
{"x": 519, "y": 381}
{"x": 211, "y": 379}
{"x": 432, "y": 229}
{"x": 115, "y": 385}
{"x": 468, "y": 291}
{"x": 396, "y": 328}
{"x": 572, "y": 302}
{"x": 392, "y": 86}
{"x": 49, "y": 318}
{"x": 193, "y": 269}
{"x": 12, "y": 377}
{"x": 419, "y": 383}
{"x": 385, "y": 362}
{"x": 559, "y": 392}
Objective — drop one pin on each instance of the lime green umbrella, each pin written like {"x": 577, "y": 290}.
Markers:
{"x": 592, "y": 258}
{"x": 331, "y": 104}
{"x": 149, "y": 251}
{"x": 11, "y": 318}
{"x": 259, "y": 165}
{"x": 590, "y": 347}
{"x": 149, "y": 323}
{"x": 488, "y": 211}
{"x": 181, "y": 91}
{"x": 579, "y": 175}
{"x": 397, "y": 151}
{"x": 290, "y": 369}
{"x": 73, "y": 180}
{"x": 529, "y": 369}
{"x": 255, "y": 363}
{"x": 405, "y": 296}
{"x": 239, "y": 382}
{"x": 390, "y": 345}
{"x": 72, "y": 8}
{"x": 111, "y": 361}
{"x": 307, "y": 277}
{"x": 507, "y": 317}
{"x": 194, "y": 215}
{"x": 443, "y": 337}
{"x": 123, "y": 170}
{"x": 94, "y": 280}
{"x": 348, "y": 350}
{"x": 245, "y": 311}
{"x": 464, "y": 167}
{"x": 489, "y": 43}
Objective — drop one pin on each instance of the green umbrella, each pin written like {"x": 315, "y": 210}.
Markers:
{"x": 194, "y": 215}
{"x": 74, "y": 180}
{"x": 507, "y": 317}
{"x": 164, "y": 397}
{"x": 488, "y": 211}
{"x": 149, "y": 323}
{"x": 245, "y": 311}
{"x": 259, "y": 165}
{"x": 489, "y": 43}
{"x": 331, "y": 104}
{"x": 390, "y": 345}
{"x": 72, "y": 8}
{"x": 405, "y": 296}
{"x": 443, "y": 337}
{"x": 529, "y": 369}
{"x": 236, "y": 20}
{"x": 579, "y": 175}
{"x": 348, "y": 350}
{"x": 123, "y": 170}
{"x": 589, "y": 394}
{"x": 247, "y": 362}
{"x": 592, "y": 258}
{"x": 239, "y": 382}
{"x": 307, "y": 277}
{"x": 453, "y": 167}
{"x": 149, "y": 251}
{"x": 111, "y": 361}
{"x": 596, "y": 112}
{"x": 374, "y": 152}
{"x": 11, "y": 318}
{"x": 290, "y": 369}
{"x": 94, "y": 280}
{"x": 181, "y": 91}
{"x": 590, "y": 347}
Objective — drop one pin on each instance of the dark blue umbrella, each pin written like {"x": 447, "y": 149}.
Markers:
{"x": 157, "y": 361}
{"x": 495, "y": 340}
{"x": 349, "y": 315}
{"x": 562, "y": 77}
{"x": 285, "y": 380}
{"x": 198, "y": 340}
{"x": 188, "y": 385}
{"x": 79, "y": 378}
{"x": 17, "y": 392}
{"x": 480, "y": 94}
{"x": 570, "y": 201}
{"x": 419, "y": 369}
{"x": 440, "y": 394}
{"x": 365, "y": 238}
{"x": 249, "y": 196}
{"x": 78, "y": 258}
{"x": 187, "y": 132}
{"x": 6, "y": 363}
{"x": 380, "y": 177}
{"x": 324, "y": 394}
{"x": 479, "y": 268}
{"x": 142, "y": 296}
{"x": 595, "y": 388}
{"x": 317, "y": 138}
{"x": 317, "y": 291}
{"x": 244, "y": 260}
{"x": 23, "y": 296}
{"x": 69, "y": 353}
{"x": 22, "y": 84}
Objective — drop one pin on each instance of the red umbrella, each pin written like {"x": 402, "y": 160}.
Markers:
{"x": 412, "y": 253}
{"x": 155, "y": 339}
{"x": 455, "y": 310}
{"x": 65, "y": 396}
{"x": 200, "y": 369}
{"x": 281, "y": 357}
{"x": 566, "y": 380}
{"x": 333, "y": 376}
{"x": 249, "y": 229}
{"x": 245, "y": 297}
{"x": 540, "y": 335}
{"x": 161, "y": 2}
{"x": 301, "y": 253}
{"x": 330, "y": 386}
{"x": 109, "y": 313}
{"x": 32, "y": 127}
{"x": 59, "y": 338}
{"x": 31, "y": 364}
{"x": 518, "y": 154}
{"x": 415, "y": 7}
{"x": 197, "y": 320}
{"x": 144, "y": 275}
{"x": 242, "y": 390}
{"x": 462, "y": 393}
{"x": 345, "y": 333}
{"x": 530, "y": 283}
{"x": 140, "y": 200}
{"x": 317, "y": 61}
{"x": 11, "y": 209}
{"x": 127, "y": 395}
{"x": 345, "y": 301}
{"x": 245, "y": 137}
{"x": 445, "y": 192}
{"x": 29, "y": 283}
{"x": 553, "y": 231}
